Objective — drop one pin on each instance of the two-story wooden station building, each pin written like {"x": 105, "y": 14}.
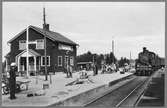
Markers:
{"x": 60, "y": 50}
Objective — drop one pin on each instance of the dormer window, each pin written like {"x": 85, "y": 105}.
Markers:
{"x": 40, "y": 44}
{"x": 22, "y": 45}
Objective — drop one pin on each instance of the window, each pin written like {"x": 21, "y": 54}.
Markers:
{"x": 40, "y": 44}
{"x": 22, "y": 44}
{"x": 59, "y": 60}
{"x": 43, "y": 61}
{"x": 72, "y": 60}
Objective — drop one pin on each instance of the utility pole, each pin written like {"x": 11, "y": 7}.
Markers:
{"x": 130, "y": 59}
{"x": 44, "y": 27}
{"x": 27, "y": 47}
{"x": 113, "y": 49}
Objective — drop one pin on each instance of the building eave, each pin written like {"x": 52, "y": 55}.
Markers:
{"x": 42, "y": 33}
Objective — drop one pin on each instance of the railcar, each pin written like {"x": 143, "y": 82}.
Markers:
{"x": 147, "y": 63}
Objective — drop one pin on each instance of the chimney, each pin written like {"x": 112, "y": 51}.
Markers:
{"x": 46, "y": 27}
{"x": 144, "y": 49}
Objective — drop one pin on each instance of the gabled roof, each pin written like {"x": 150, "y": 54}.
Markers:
{"x": 49, "y": 34}
{"x": 31, "y": 52}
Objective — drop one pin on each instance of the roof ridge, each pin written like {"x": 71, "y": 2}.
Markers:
{"x": 56, "y": 33}
{"x": 54, "y": 36}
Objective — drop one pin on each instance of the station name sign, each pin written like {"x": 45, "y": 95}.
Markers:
{"x": 65, "y": 47}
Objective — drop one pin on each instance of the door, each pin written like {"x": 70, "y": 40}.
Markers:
{"x": 66, "y": 62}
{"x": 23, "y": 65}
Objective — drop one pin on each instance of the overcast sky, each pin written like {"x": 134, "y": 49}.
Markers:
{"x": 93, "y": 25}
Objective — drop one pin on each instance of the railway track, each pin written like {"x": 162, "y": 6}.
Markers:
{"x": 125, "y": 95}
{"x": 123, "y": 101}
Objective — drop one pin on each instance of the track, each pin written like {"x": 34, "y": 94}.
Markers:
{"x": 125, "y": 95}
{"x": 155, "y": 90}
{"x": 125, "y": 101}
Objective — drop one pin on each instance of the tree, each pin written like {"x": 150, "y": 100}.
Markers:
{"x": 87, "y": 57}
{"x": 110, "y": 57}
{"x": 122, "y": 61}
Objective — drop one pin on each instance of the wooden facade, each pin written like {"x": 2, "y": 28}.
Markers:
{"x": 60, "y": 50}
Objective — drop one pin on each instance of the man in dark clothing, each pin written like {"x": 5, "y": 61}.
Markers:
{"x": 96, "y": 68}
{"x": 70, "y": 70}
{"x": 12, "y": 80}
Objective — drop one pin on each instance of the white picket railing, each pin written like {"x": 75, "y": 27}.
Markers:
{"x": 31, "y": 68}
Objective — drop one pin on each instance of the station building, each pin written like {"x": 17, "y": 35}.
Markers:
{"x": 60, "y": 50}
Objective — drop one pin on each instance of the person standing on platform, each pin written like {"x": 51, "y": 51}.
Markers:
{"x": 96, "y": 68}
{"x": 70, "y": 71}
{"x": 12, "y": 80}
{"x": 103, "y": 68}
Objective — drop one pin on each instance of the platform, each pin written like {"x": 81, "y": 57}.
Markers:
{"x": 59, "y": 94}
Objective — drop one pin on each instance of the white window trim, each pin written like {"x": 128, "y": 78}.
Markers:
{"x": 20, "y": 43}
{"x": 42, "y": 60}
{"x": 37, "y": 43}
{"x": 61, "y": 61}
{"x": 29, "y": 42}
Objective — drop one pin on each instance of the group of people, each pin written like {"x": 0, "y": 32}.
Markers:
{"x": 69, "y": 69}
{"x": 109, "y": 68}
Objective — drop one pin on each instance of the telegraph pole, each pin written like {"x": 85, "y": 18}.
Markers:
{"x": 113, "y": 49}
{"x": 27, "y": 44}
{"x": 44, "y": 27}
{"x": 130, "y": 59}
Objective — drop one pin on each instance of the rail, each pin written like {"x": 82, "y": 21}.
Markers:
{"x": 145, "y": 83}
{"x": 106, "y": 93}
{"x": 124, "y": 99}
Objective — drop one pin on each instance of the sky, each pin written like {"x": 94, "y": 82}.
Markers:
{"x": 93, "y": 25}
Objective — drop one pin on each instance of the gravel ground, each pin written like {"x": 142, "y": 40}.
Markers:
{"x": 57, "y": 90}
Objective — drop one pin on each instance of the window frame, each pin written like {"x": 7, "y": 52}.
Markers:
{"x": 61, "y": 61}
{"x": 37, "y": 44}
{"x": 46, "y": 59}
{"x": 22, "y": 43}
